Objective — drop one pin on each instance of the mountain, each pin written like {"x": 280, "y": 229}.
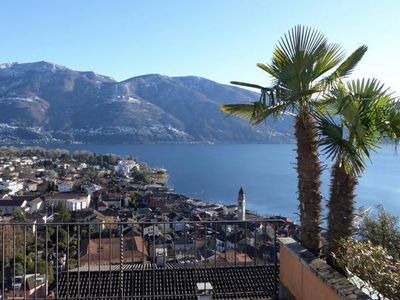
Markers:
{"x": 45, "y": 102}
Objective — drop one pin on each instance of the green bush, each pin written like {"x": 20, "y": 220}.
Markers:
{"x": 372, "y": 264}
{"x": 382, "y": 229}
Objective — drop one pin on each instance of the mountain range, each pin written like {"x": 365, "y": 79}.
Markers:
{"x": 42, "y": 102}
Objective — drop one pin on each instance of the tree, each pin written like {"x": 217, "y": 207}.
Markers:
{"x": 359, "y": 116}
{"x": 382, "y": 229}
{"x": 6, "y": 174}
{"x": 302, "y": 68}
{"x": 51, "y": 186}
{"x": 19, "y": 215}
{"x": 62, "y": 214}
{"x": 41, "y": 269}
{"x": 134, "y": 199}
{"x": 142, "y": 177}
{"x": 62, "y": 240}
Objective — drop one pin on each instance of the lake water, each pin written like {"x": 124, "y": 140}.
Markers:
{"x": 266, "y": 172}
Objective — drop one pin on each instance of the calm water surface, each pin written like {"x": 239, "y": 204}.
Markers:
{"x": 216, "y": 172}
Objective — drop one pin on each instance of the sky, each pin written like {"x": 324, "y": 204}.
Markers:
{"x": 217, "y": 39}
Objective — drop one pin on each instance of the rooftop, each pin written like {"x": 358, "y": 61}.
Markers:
{"x": 107, "y": 251}
{"x": 240, "y": 282}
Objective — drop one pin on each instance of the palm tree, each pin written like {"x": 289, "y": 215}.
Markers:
{"x": 304, "y": 65}
{"x": 358, "y": 117}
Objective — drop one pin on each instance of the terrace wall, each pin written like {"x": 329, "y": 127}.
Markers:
{"x": 305, "y": 277}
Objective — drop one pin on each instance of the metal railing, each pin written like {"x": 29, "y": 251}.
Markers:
{"x": 140, "y": 260}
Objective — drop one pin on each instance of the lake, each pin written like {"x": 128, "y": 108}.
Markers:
{"x": 266, "y": 172}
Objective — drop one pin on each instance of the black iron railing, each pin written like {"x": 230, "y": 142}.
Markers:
{"x": 157, "y": 260}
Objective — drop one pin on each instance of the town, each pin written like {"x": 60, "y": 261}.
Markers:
{"x": 104, "y": 205}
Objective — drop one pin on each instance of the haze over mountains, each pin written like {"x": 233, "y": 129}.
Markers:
{"x": 44, "y": 102}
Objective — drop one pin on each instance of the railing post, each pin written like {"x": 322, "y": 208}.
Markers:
{"x": 3, "y": 258}
{"x": 121, "y": 263}
{"x": 13, "y": 280}
{"x": 275, "y": 260}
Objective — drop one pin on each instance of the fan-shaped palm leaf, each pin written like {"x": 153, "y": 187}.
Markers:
{"x": 256, "y": 112}
{"x": 365, "y": 116}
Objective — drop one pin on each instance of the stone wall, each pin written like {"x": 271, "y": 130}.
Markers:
{"x": 305, "y": 277}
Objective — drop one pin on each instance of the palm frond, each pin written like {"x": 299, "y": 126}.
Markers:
{"x": 389, "y": 120}
{"x": 256, "y": 112}
{"x": 367, "y": 88}
{"x": 301, "y": 57}
{"x": 244, "y": 111}
{"x": 365, "y": 115}
{"x": 267, "y": 69}
{"x": 300, "y": 41}
{"x": 344, "y": 69}
{"x": 250, "y": 85}
{"x": 331, "y": 57}
{"x": 348, "y": 65}
{"x": 337, "y": 148}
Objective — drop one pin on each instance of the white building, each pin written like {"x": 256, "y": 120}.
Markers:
{"x": 26, "y": 162}
{"x": 13, "y": 186}
{"x": 35, "y": 205}
{"x": 71, "y": 201}
{"x": 125, "y": 167}
{"x": 91, "y": 188}
{"x": 151, "y": 230}
{"x": 76, "y": 204}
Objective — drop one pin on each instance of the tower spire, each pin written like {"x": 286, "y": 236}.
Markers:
{"x": 242, "y": 204}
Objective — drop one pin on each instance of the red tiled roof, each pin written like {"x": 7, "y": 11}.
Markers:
{"x": 107, "y": 251}
{"x": 229, "y": 257}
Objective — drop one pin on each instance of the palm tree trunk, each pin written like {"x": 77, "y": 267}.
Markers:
{"x": 341, "y": 208}
{"x": 309, "y": 173}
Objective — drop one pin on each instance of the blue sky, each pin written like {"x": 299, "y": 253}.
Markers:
{"x": 220, "y": 40}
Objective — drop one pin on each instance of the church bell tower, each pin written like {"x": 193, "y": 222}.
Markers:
{"x": 242, "y": 205}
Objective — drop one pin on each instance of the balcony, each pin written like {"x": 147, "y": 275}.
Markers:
{"x": 163, "y": 260}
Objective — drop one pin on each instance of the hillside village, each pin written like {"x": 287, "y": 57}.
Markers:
{"x": 117, "y": 196}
